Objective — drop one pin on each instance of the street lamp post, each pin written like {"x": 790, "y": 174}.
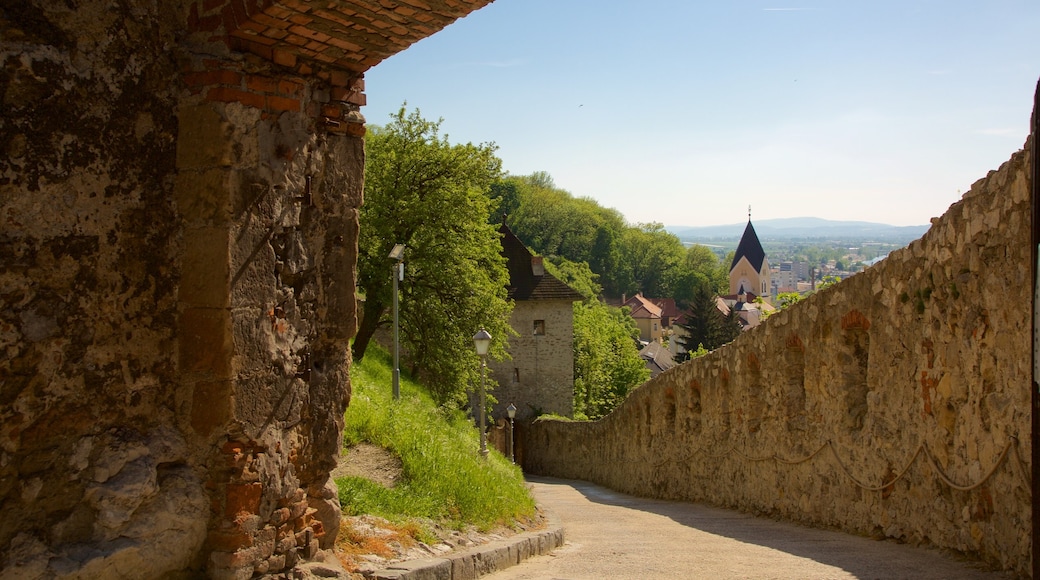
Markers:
{"x": 398, "y": 273}
{"x": 482, "y": 342}
{"x": 511, "y": 411}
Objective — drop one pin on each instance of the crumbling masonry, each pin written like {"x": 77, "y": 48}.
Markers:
{"x": 179, "y": 184}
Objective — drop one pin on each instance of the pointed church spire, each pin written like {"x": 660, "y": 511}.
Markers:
{"x": 749, "y": 247}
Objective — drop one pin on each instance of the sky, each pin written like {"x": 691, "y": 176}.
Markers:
{"x": 687, "y": 112}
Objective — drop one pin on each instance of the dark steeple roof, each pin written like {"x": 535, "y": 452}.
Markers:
{"x": 524, "y": 283}
{"x": 750, "y": 248}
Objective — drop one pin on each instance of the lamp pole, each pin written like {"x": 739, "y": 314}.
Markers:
{"x": 511, "y": 411}
{"x": 482, "y": 342}
{"x": 398, "y": 273}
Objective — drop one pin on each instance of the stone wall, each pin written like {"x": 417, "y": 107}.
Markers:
{"x": 93, "y": 455}
{"x": 544, "y": 364}
{"x": 268, "y": 198}
{"x": 179, "y": 188}
{"x": 895, "y": 404}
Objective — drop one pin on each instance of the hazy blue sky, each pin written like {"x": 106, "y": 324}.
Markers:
{"x": 686, "y": 112}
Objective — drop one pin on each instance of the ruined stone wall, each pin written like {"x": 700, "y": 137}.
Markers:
{"x": 93, "y": 456}
{"x": 176, "y": 276}
{"x": 894, "y": 404}
{"x": 544, "y": 364}
{"x": 269, "y": 192}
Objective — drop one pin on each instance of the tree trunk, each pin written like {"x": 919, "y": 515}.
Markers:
{"x": 372, "y": 313}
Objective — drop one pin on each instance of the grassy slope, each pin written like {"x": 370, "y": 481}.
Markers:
{"x": 445, "y": 479}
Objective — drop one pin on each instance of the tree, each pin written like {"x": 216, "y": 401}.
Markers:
{"x": 577, "y": 275}
{"x": 786, "y": 299}
{"x": 706, "y": 326}
{"x": 703, "y": 260}
{"x": 432, "y": 196}
{"x": 655, "y": 257}
{"x": 607, "y": 365}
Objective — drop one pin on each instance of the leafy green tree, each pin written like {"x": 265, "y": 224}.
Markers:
{"x": 607, "y": 365}
{"x": 507, "y": 194}
{"x": 607, "y": 261}
{"x": 656, "y": 258}
{"x": 722, "y": 274}
{"x": 628, "y": 259}
{"x": 703, "y": 260}
{"x": 827, "y": 282}
{"x": 424, "y": 192}
{"x": 785, "y": 299}
{"x": 577, "y": 275}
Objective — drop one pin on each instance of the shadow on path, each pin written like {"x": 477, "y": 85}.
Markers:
{"x": 859, "y": 556}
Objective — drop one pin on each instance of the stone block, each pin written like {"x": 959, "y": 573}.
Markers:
{"x": 203, "y": 197}
{"x": 241, "y": 498}
{"x": 203, "y": 138}
{"x": 210, "y": 405}
{"x": 463, "y": 568}
{"x": 205, "y": 342}
{"x": 276, "y": 562}
{"x": 205, "y": 272}
{"x": 229, "y": 540}
{"x": 423, "y": 569}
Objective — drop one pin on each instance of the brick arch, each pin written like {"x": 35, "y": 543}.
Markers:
{"x": 855, "y": 319}
{"x": 794, "y": 342}
{"x": 342, "y": 35}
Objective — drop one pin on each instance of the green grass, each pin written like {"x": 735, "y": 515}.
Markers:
{"x": 445, "y": 478}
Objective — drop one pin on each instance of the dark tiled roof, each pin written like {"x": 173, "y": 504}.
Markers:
{"x": 523, "y": 284}
{"x": 750, "y": 248}
{"x": 658, "y": 358}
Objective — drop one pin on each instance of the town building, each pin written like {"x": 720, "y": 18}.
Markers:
{"x": 539, "y": 376}
{"x": 649, "y": 317}
{"x": 749, "y": 280}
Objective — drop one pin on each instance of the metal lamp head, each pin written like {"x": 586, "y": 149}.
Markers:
{"x": 511, "y": 411}
{"x": 482, "y": 341}
{"x": 397, "y": 253}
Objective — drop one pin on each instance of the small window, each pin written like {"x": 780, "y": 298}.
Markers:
{"x": 539, "y": 328}
{"x": 516, "y": 375}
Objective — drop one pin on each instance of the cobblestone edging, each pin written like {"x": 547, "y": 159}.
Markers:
{"x": 481, "y": 560}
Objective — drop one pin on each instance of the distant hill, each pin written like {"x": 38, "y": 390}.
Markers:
{"x": 803, "y": 228}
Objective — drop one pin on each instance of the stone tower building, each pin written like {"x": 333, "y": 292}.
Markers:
{"x": 539, "y": 377}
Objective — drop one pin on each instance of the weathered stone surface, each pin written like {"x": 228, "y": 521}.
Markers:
{"x": 540, "y": 376}
{"x": 176, "y": 276}
{"x": 921, "y": 363}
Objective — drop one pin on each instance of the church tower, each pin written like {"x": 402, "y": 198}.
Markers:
{"x": 749, "y": 272}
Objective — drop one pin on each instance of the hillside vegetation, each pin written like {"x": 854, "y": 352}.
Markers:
{"x": 444, "y": 477}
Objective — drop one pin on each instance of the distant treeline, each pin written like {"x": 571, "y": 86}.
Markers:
{"x": 624, "y": 258}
